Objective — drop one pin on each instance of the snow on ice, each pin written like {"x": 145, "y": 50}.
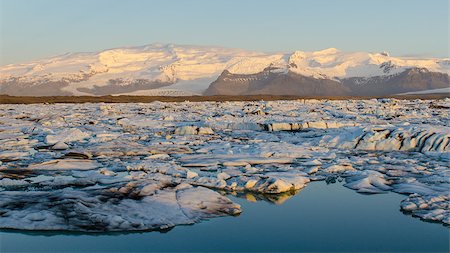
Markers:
{"x": 123, "y": 167}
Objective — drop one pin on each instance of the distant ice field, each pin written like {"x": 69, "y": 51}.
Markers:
{"x": 433, "y": 91}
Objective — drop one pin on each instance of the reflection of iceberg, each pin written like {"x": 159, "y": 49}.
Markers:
{"x": 277, "y": 199}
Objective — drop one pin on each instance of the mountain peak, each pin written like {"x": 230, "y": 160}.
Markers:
{"x": 326, "y": 51}
{"x": 190, "y": 68}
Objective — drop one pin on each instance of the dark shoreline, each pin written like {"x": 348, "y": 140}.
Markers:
{"x": 5, "y": 99}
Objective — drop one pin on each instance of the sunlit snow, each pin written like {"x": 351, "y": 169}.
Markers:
{"x": 184, "y": 66}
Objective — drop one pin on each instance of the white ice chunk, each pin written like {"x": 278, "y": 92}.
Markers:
{"x": 69, "y": 135}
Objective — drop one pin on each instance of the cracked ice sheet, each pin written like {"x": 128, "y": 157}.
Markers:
{"x": 150, "y": 166}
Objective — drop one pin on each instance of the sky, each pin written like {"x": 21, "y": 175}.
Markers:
{"x": 33, "y": 29}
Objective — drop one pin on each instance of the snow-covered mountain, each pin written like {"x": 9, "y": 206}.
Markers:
{"x": 173, "y": 70}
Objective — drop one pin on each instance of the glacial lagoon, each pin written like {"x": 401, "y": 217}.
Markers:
{"x": 305, "y": 175}
{"x": 322, "y": 217}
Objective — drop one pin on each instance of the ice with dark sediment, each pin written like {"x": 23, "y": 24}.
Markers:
{"x": 124, "y": 167}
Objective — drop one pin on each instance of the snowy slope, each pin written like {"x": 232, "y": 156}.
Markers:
{"x": 332, "y": 63}
{"x": 189, "y": 68}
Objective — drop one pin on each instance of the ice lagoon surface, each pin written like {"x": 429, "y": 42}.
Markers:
{"x": 320, "y": 218}
{"x": 92, "y": 169}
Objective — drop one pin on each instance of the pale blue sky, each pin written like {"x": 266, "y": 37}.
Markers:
{"x": 32, "y": 29}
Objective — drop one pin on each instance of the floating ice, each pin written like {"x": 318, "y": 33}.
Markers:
{"x": 368, "y": 182}
{"x": 428, "y": 207}
{"x": 106, "y": 210}
{"x": 390, "y": 138}
{"x": 193, "y": 130}
{"x": 60, "y": 146}
{"x": 66, "y": 164}
{"x": 69, "y": 135}
{"x": 157, "y": 165}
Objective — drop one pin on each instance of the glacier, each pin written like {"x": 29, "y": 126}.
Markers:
{"x": 98, "y": 167}
{"x": 184, "y": 70}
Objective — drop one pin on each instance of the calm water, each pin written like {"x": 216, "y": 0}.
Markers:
{"x": 320, "y": 218}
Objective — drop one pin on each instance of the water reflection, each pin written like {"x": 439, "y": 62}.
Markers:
{"x": 319, "y": 218}
{"x": 277, "y": 199}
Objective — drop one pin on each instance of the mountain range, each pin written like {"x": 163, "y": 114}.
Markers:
{"x": 179, "y": 70}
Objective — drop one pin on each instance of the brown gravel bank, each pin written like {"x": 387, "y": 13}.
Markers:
{"x": 4, "y": 99}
